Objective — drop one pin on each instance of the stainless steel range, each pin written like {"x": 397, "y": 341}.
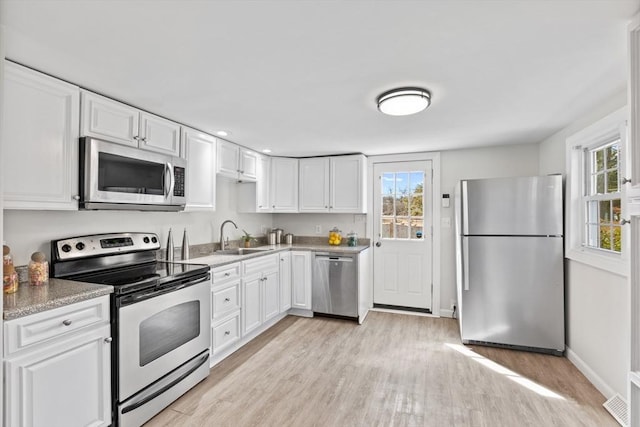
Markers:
{"x": 159, "y": 318}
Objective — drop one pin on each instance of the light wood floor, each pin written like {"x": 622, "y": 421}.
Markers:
{"x": 394, "y": 370}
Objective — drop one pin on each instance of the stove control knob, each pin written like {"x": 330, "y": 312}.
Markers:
{"x": 145, "y": 239}
{"x": 154, "y": 240}
{"x": 66, "y": 247}
{"x": 79, "y": 246}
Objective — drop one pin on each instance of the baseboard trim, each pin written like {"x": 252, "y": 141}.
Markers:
{"x": 445, "y": 312}
{"x": 591, "y": 375}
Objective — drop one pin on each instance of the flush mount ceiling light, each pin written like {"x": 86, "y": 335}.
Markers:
{"x": 404, "y": 101}
{"x": 222, "y": 133}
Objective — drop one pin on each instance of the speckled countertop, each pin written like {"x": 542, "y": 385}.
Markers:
{"x": 58, "y": 293}
{"x": 215, "y": 260}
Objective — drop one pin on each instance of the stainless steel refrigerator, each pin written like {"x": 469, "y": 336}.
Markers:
{"x": 509, "y": 258}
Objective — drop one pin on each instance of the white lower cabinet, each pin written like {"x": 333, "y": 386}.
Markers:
{"x": 226, "y": 307}
{"x": 285, "y": 281}
{"x": 251, "y": 316}
{"x": 261, "y": 291}
{"x": 62, "y": 378}
{"x": 301, "y": 280}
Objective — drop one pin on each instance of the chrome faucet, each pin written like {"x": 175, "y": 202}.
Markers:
{"x": 223, "y": 244}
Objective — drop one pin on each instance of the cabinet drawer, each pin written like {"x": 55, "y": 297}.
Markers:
{"x": 40, "y": 327}
{"x": 225, "y": 334}
{"x": 225, "y": 273}
{"x": 264, "y": 264}
{"x": 225, "y": 300}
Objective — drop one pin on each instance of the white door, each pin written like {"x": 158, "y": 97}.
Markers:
{"x": 403, "y": 234}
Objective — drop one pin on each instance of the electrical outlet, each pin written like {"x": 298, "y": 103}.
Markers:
{"x": 263, "y": 229}
{"x": 318, "y": 229}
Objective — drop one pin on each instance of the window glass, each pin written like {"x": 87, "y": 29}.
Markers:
{"x": 603, "y": 199}
{"x": 402, "y": 205}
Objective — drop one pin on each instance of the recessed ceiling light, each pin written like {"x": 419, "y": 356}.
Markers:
{"x": 222, "y": 133}
{"x": 266, "y": 150}
{"x": 404, "y": 101}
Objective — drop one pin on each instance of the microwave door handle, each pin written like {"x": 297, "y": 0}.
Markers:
{"x": 169, "y": 174}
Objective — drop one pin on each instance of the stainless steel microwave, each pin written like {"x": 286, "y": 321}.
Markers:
{"x": 114, "y": 176}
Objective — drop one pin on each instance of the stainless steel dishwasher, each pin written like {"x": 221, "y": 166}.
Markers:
{"x": 335, "y": 284}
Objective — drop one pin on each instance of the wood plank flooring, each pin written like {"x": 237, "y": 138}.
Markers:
{"x": 394, "y": 370}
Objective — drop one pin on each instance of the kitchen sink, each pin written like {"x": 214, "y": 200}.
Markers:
{"x": 242, "y": 251}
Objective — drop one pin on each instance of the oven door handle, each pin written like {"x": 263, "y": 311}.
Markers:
{"x": 173, "y": 379}
{"x": 134, "y": 298}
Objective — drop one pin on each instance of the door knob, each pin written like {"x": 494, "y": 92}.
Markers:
{"x": 378, "y": 244}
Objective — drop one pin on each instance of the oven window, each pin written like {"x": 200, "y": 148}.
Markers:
{"x": 168, "y": 330}
{"x": 127, "y": 175}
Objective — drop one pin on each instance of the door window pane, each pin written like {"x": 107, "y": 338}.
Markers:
{"x": 402, "y": 205}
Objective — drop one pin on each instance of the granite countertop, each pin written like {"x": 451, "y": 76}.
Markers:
{"x": 58, "y": 293}
{"x": 216, "y": 260}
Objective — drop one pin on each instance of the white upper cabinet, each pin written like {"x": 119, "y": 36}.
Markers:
{"x": 40, "y": 141}
{"x": 333, "y": 184}
{"x": 159, "y": 135}
{"x": 107, "y": 119}
{"x": 348, "y": 184}
{"x": 236, "y": 162}
{"x": 200, "y": 153}
{"x": 114, "y": 121}
{"x": 284, "y": 184}
{"x": 255, "y": 197}
{"x": 314, "y": 184}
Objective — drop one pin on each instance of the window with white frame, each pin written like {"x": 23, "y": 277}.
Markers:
{"x": 595, "y": 167}
{"x": 602, "y": 199}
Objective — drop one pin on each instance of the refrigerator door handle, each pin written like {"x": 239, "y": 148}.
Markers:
{"x": 465, "y": 209}
{"x": 465, "y": 263}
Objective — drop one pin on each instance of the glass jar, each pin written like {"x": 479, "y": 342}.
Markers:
{"x": 10, "y": 281}
{"x": 352, "y": 239}
{"x": 38, "y": 269}
{"x": 335, "y": 236}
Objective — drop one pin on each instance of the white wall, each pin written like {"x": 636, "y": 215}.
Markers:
{"x": 491, "y": 162}
{"x": 29, "y": 231}
{"x": 597, "y": 301}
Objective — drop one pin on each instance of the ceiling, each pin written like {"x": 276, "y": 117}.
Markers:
{"x": 302, "y": 77}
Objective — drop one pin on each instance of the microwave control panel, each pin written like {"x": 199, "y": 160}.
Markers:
{"x": 178, "y": 188}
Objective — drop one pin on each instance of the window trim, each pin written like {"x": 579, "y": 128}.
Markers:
{"x": 609, "y": 128}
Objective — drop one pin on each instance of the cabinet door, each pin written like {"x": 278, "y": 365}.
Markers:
{"x": 270, "y": 295}
{"x": 284, "y": 184}
{"x": 251, "y": 318}
{"x": 228, "y": 158}
{"x": 262, "y": 184}
{"x": 301, "y": 279}
{"x": 200, "y": 152}
{"x": 40, "y": 141}
{"x": 285, "y": 281}
{"x": 159, "y": 135}
{"x": 67, "y": 383}
{"x": 108, "y": 119}
{"x": 314, "y": 184}
{"x": 248, "y": 168}
{"x": 348, "y": 184}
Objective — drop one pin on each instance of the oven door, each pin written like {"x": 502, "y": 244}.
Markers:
{"x": 159, "y": 334}
{"x": 117, "y": 176}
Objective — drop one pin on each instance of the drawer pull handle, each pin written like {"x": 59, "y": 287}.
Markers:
{"x": 227, "y": 274}
{"x": 108, "y": 340}
{"x": 67, "y": 322}
{"x": 227, "y": 300}
{"x": 227, "y": 332}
